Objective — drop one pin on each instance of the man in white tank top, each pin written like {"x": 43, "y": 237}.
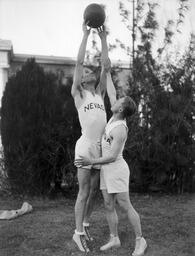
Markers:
{"x": 89, "y": 102}
{"x": 114, "y": 177}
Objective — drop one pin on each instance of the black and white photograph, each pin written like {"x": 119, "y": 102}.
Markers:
{"x": 97, "y": 127}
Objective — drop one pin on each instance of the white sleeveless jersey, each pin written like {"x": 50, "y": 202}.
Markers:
{"x": 107, "y": 139}
{"x": 92, "y": 116}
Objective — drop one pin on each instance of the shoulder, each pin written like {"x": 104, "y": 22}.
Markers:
{"x": 76, "y": 89}
{"x": 119, "y": 132}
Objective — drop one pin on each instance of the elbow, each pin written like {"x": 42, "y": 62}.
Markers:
{"x": 112, "y": 158}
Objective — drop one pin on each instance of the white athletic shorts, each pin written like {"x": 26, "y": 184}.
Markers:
{"x": 88, "y": 148}
{"x": 114, "y": 177}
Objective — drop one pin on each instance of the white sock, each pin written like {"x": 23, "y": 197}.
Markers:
{"x": 112, "y": 236}
{"x": 78, "y": 233}
{"x": 86, "y": 224}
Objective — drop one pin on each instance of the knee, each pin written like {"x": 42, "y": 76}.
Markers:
{"x": 94, "y": 186}
{"x": 128, "y": 208}
{"x": 124, "y": 206}
{"x": 83, "y": 194}
{"x": 93, "y": 192}
{"x": 109, "y": 206}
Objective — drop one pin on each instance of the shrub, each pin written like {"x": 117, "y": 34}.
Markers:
{"x": 36, "y": 126}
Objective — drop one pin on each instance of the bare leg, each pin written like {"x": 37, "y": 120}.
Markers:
{"x": 112, "y": 218}
{"x": 111, "y": 215}
{"x": 133, "y": 217}
{"x": 84, "y": 186}
{"x": 94, "y": 187}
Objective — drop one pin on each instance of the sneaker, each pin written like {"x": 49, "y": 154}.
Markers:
{"x": 81, "y": 242}
{"x": 87, "y": 234}
{"x": 140, "y": 247}
{"x": 114, "y": 242}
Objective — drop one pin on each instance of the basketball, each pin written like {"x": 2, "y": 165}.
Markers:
{"x": 94, "y": 15}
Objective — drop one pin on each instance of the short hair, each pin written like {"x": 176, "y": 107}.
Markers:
{"x": 129, "y": 107}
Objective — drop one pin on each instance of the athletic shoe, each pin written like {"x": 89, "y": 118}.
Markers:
{"x": 140, "y": 247}
{"x": 81, "y": 242}
{"x": 87, "y": 234}
{"x": 114, "y": 242}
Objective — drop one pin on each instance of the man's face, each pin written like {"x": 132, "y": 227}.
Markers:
{"x": 118, "y": 105}
{"x": 88, "y": 76}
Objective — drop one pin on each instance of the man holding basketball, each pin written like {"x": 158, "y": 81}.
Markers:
{"x": 89, "y": 102}
{"x": 114, "y": 176}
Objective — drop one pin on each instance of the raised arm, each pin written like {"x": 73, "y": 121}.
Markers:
{"x": 111, "y": 89}
{"x": 76, "y": 86}
{"x": 101, "y": 88}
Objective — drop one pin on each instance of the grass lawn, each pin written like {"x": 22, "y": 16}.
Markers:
{"x": 167, "y": 223}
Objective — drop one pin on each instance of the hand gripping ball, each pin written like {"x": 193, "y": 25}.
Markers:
{"x": 94, "y": 15}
